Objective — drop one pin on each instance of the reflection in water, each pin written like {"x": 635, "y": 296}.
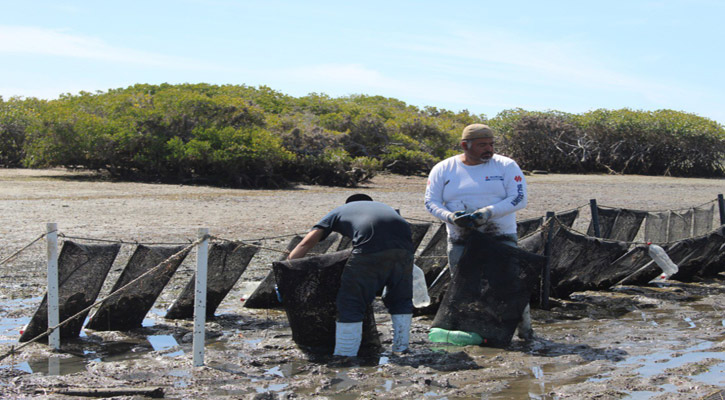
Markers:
{"x": 162, "y": 342}
{"x": 274, "y": 371}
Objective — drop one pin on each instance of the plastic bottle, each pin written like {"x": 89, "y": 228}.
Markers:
{"x": 420, "y": 289}
{"x": 660, "y": 257}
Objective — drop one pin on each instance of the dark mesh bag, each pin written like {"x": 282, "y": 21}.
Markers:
{"x": 580, "y": 262}
{"x": 490, "y": 290}
{"x": 226, "y": 263}
{"x": 82, "y": 269}
{"x": 627, "y": 225}
{"x": 434, "y": 257}
{"x": 126, "y": 310}
{"x": 308, "y": 287}
{"x": 264, "y": 296}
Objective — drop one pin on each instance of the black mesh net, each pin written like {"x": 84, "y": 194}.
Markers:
{"x": 655, "y": 227}
{"x": 308, "y": 287}
{"x": 679, "y": 225}
{"x": 528, "y": 226}
{"x": 702, "y": 219}
{"x": 617, "y": 223}
{"x": 227, "y": 261}
{"x": 492, "y": 285}
{"x": 81, "y": 272}
{"x": 127, "y": 309}
{"x": 580, "y": 262}
{"x": 433, "y": 258}
{"x": 264, "y": 295}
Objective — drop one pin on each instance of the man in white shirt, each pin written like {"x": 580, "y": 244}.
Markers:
{"x": 477, "y": 190}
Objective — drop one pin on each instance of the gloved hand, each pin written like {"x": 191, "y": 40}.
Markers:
{"x": 481, "y": 216}
{"x": 460, "y": 218}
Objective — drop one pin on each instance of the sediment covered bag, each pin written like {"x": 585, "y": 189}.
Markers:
{"x": 308, "y": 288}
{"x": 492, "y": 285}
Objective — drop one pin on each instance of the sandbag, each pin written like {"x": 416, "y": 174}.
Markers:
{"x": 490, "y": 290}
{"x": 308, "y": 288}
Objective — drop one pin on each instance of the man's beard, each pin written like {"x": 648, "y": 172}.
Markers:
{"x": 486, "y": 157}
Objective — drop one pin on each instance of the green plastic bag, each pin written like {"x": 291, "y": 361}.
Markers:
{"x": 458, "y": 338}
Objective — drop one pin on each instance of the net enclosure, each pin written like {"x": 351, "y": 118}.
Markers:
{"x": 491, "y": 288}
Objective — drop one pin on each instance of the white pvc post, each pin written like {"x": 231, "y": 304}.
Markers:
{"x": 202, "y": 255}
{"x": 53, "y": 309}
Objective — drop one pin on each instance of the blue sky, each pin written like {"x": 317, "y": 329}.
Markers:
{"x": 483, "y": 56}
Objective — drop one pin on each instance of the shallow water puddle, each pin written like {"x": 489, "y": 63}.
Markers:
{"x": 11, "y": 328}
{"x": 164, "y": 342}
{"x": 77, "y": 361}
{"x": 657, "y": 363}
{"x": 537, "y": 383}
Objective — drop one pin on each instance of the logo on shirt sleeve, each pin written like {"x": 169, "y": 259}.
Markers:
{"x": 518, "y": 178}
{"x": 494, "y": 178}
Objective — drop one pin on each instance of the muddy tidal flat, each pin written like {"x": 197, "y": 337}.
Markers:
{"x": 664, "y": 341}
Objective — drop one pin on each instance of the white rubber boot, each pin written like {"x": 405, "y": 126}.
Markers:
{"x": 401, "y": 331}
{"x": 348, "y": 336}
{"x": 524, "y": 328}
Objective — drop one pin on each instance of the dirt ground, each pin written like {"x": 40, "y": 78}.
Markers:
{"x": 648, "y": 342}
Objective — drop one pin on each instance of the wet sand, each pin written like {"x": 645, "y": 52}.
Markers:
{"x": 631, "y": 342}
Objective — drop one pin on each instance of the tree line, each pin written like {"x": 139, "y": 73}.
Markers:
{"x": 241, "y": 136}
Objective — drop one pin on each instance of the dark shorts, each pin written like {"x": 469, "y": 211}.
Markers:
{"x": 366, "y": 274}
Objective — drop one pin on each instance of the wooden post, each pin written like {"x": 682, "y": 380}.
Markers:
{"x": 546, "y": 273}
{"x": 595, "y": 217}
{"x": 202, "y": 255}
{"x": 51, "y": 236}
{"x": 721, "y": 206}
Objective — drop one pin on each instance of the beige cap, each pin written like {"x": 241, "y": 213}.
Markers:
{"x": 476, "y": 131}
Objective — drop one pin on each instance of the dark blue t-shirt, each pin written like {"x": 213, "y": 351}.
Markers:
{"x": 373, "y": 226}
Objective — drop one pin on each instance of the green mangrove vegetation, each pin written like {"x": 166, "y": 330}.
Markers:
{"x": 240, "y": 136}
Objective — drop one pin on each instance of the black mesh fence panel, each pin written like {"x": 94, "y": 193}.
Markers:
{"x": 82, "y": 269}
{"x": 127, "y": 309}
{"x": 227, "y": 261}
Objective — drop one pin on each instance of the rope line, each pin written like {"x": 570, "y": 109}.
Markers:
{"x": 266, "y": 238}
{"x": 423, "y": 220}
{"x": 250, "y": 244}
{"x": 23, "y": 249}
{"x": 121, "y": 241}
{"x": 658, "y": 211}
{"x": 568, "y": 228}
{"x": 165, "y": 263}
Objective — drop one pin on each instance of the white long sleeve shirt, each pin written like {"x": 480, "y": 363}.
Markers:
{"x": 454, "y": 186}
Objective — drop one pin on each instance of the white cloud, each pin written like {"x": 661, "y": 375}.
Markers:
{"x": 50, "y": 42}
{"x": 497, "y": 59}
